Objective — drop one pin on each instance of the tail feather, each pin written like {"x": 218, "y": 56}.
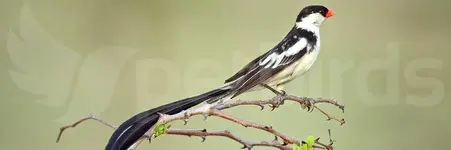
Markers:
{"x": 135, "y": 127}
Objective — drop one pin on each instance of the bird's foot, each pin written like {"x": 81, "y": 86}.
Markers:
{"x": 277, "y": 101}
{"x": 308, "y": 103}
{"x": 280, "y": 96}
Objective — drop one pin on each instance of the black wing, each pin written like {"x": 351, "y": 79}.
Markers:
{"x": 251, "y": 65}
{"x": 272, "y": 62}
{"x": 255, "y": 63}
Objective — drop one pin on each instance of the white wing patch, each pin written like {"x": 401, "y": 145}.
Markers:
{"x": 275, "y": 59}
{"x": 296, "y": 48}
{"x": 269, "y": 60}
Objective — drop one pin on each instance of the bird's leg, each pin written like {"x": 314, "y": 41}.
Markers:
{"x": 278, "y": 93}
{"x": 279, "y": 99}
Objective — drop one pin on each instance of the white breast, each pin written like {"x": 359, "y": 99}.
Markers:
{"x": 296, "y": 69}
{"x": 306, "y": 62}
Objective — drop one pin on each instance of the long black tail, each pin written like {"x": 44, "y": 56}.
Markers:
{"x": 135, "y": 127}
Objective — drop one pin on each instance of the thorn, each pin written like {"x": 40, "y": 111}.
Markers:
{"x": 227, "y": 131}
{"x": 248, "y": 147}
{"x": 317, "y": 139}
{"x": 268, "y": 127}
{"x": 186, "y": 118}
{"x": 261, "y": 106}
{"x": 203, "y": 138}
{"x": 150, "y": 140}
{"x": 330, "y": 138}
{"x": 276, "y": 138}
{"x": 205, "y": 117}
{"x": 303, "y": 142}
{"x": 342, "y": 107}
{"x": 284, "y": 143}
{"x": 272, "y": 108}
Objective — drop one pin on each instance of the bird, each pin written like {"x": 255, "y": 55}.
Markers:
{"x": 292, "y": 57}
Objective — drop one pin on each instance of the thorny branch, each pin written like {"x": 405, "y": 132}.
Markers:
{"x": 208, "y": 110}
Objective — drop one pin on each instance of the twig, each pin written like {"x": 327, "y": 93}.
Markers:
{"x": 73, "y": 125}
{"x": 286, "y": 139}
{"x": 275, "y": 102}
{"x": 199, "y": 133}
{"x": 92, "y": 117}
{"x": 209, "y": 110}
{"x": 226, "y": 133}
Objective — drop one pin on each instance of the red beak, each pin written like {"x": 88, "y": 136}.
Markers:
{"x": 330, "y": 13}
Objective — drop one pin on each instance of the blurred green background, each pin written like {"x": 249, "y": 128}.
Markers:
{"x": 61, "y": 60}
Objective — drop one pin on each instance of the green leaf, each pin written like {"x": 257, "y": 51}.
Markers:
{"x": 304, "y": 147}
{"x": 296, "y": 147}
{"x": 161, "y": 129}
{"x": 310, "y": 141}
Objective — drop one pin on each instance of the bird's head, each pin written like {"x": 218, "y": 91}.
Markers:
{"x": 313, "y": 15}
